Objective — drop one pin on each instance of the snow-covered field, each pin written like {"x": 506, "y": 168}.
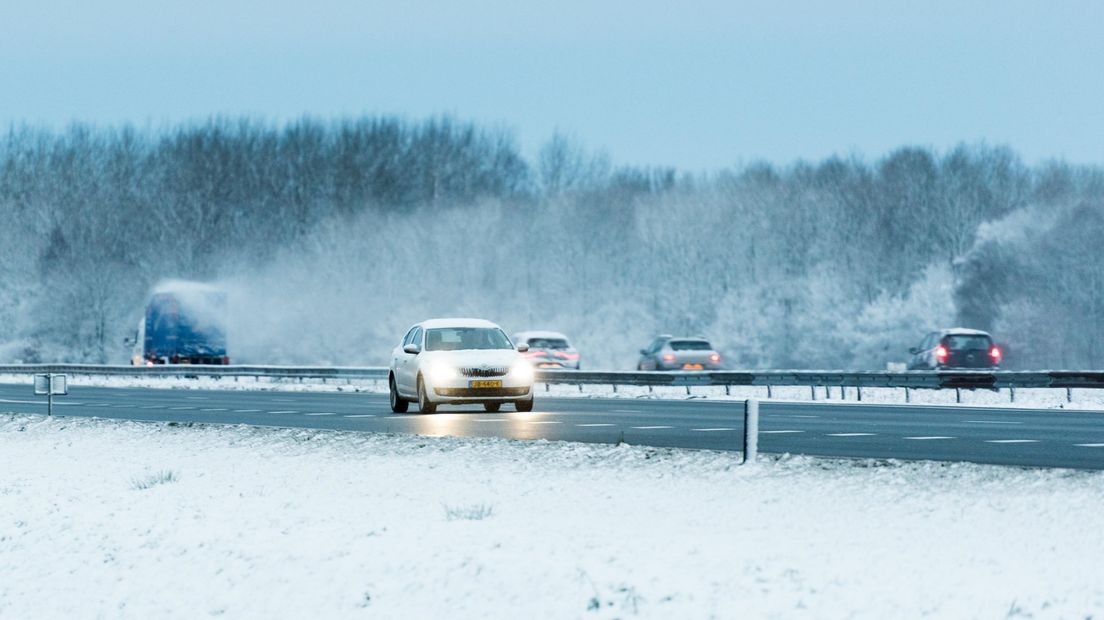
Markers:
{"x": 140, "y": 520}
{"x": 1035, "y": 398}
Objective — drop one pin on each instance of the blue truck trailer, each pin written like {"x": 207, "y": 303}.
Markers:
{"x": 184, "y": 323}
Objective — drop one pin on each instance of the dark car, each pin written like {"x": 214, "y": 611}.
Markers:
{"x": 671, "y": 353}
{"x": 955, "y": 348}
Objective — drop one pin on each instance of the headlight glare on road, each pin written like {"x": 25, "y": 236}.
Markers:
{"x": 522, "y": 370}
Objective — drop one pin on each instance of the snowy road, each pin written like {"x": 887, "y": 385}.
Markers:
{"x": 1025, "y": 437}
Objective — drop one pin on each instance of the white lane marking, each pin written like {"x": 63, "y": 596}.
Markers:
{"x": 283, "y": 412}
{"x": 929, "y": 438}
{"x": 124, "y": 406}
{"x": 990, "y": 422}
{"x": 1011, "y": 441}
{"x": 649, "y": 428}
{"x": 320, "y": 413}
{"x": 180, "y": 408}
{"x": 196, "y": 398}
{"x": 1089, "y": 445}
{"x": 283, "y": 400}
{"x": 247, "y": 411}
{"x": 593, "y": 425}
{"x": 851, "y": 434}
{"x": 490, "y": 420}
{"x": 36, "y": 402}
{"x": 213, "y": 409}
{"x": 625, "y": 410}
{"x": 359, "y": 415}
{"x": 793, "y": 415}
{"x": 711, "y": 430}
{"x": 779, "y": 432}
{"x": 152, "y": 407}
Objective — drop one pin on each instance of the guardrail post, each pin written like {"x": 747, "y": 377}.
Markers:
{"x": 858, "y": 393}
{"x": 812, "y": 390}
{"x": 908, "y": 396}
{"x": 751, "y": 430}
{"x": 1069, "y": 395}
{"x": 769, "y": 395}
{"x": 1011, "y": 394}
{"x": 958, "y": 395}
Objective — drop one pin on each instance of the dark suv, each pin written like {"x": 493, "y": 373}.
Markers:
{"x": 955, "y": 348}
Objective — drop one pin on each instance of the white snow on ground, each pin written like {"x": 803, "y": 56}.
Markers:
{"x": 141, "y": 520}
{"x": 1033, "y": 398}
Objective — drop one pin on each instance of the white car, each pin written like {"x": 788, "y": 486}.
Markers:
{"x": 459, "y": 361}
{"x": 548, "y": 349}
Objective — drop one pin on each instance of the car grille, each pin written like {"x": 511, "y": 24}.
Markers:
{"x": 482, "y": 392}
{"x": 497, "y": 371}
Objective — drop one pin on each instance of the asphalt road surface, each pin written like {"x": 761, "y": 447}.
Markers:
{"x": 1022, "y": 437}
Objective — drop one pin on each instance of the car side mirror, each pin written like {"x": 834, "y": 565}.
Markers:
{"x": 913, "y": 350}
{"x": 522, "y": 348}
{"x": 412, "y": 349}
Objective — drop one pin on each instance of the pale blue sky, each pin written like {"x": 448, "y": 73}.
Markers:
{"x": 697, "y": 85}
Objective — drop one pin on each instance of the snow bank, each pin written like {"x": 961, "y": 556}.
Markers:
{"x": 131, "y": 520}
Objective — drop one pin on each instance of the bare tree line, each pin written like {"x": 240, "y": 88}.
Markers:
{"x": 333, "y": 236}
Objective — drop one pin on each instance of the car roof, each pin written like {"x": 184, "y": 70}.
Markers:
{"x": 456, "y": 322}
{"x": 537, "y": 333}
{"x": 962, "y": 331}
{"x": 690, "y": 339}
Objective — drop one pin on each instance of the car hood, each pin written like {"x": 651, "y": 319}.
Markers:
{"x": 475, "y": 357}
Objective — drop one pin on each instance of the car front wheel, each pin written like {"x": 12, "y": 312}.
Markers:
{"x": 398, "y": 403}
{"x": 424, "y": 404}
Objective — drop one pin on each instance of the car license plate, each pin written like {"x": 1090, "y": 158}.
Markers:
{"x": 485, "y": 384}
{"x": 692, "y": 366}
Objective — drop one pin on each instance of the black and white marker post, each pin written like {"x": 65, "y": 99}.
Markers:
{"x": 50, "y": 386}
{"x": 751, "y": 430}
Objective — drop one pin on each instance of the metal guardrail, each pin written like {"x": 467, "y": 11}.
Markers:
{"x": 816, "y": 378}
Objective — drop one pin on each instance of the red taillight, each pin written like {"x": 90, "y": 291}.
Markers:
{"x": 995, "y": 354}
{"x": 225, "y": 360}
{"x": 534, "y": 354}
{"x": 941, "y": 353}
{"x": 669, "y": 357}
{"x": 716, "y": 357}
{"x": 567, "y": 356}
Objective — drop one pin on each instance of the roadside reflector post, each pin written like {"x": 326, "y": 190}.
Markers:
{"x": 50, "y": 385}
{"x": 751, "y": 430}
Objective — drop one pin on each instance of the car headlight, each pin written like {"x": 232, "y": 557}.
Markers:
{"x": 439, "y": 372}
{"x": 522, "y": 370}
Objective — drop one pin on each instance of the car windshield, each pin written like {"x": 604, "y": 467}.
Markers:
{"x": 966, "y": 342}
{"x": 456, "y": 338}
{"x": 690, "y": 345}
{"x": 548, "y": 343}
